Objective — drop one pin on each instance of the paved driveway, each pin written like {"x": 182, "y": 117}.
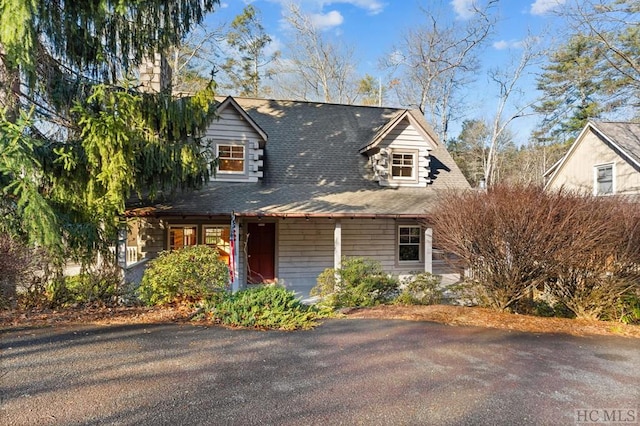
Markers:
{"x": 367, "y": 372}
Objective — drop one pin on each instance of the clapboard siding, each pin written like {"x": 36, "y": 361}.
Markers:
{"x": 232, "y": 128}
{"x": 373, "y": 239}
{"x": 305, "y": 249}
{"x": 406, "y": 138}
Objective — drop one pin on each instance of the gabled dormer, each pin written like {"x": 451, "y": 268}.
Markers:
{"x": 399, "y": 152}
{"x": 238, "y": 143}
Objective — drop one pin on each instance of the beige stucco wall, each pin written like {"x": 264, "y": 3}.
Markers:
{"x": 577, "y": 173}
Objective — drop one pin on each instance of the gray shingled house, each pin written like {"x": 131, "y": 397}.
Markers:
{"x": 299, "y": 185}
{"x": 603, "y": 160}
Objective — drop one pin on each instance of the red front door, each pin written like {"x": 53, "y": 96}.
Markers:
{"x": 261, "y": 246}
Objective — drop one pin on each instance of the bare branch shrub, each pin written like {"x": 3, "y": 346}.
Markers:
{"x": 600, "y": 259}
{"x": 517, "y": 238}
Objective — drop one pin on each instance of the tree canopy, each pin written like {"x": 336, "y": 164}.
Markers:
{"x": 77, "y": 136}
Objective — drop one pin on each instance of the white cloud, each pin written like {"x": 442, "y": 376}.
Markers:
{"x": 372, "y": 6}
{"x": 323, "y": 21}
{"x": 508, "y": 44}
{"x": 464, "y": 9}
{"x": 501, "y": 45}
{"x": 540, "y": 7}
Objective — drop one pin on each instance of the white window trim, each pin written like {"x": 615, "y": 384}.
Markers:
{"x": 613, "y": 178}
{"x": 414, "y": 168}
{"x": 420, "y": 244}
{"x": 244, "y": 158}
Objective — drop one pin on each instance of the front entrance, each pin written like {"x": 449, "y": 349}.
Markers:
{"x": 261, "y": 246}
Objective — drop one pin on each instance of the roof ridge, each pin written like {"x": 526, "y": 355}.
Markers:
{"x": 318, "y": 102}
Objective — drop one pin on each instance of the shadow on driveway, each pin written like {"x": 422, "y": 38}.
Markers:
{"x": 346, "y": 371}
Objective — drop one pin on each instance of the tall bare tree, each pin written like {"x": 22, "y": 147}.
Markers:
{"x": 193, "y": 61}
{"x": 434, "y": 60}
{"x": 507, "y": 81}
{"x": 315, "y": 68}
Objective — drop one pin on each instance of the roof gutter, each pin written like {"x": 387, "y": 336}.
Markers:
{"x": 259, "y": 215}
{"x": 332, "y": 215}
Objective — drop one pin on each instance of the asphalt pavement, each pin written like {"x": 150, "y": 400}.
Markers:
{"x": 345, "y": 372}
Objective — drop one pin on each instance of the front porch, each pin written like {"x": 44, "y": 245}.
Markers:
{"x": 291, "y": 250}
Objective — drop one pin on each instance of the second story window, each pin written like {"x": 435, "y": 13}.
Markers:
{"x": 604, "y": 180}
{"x": 402, "y": 166}
{"x": 231, "y": 158}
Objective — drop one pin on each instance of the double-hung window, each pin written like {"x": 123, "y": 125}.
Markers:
{"x": 403, "y": 166}
{"x": 182, "y": 236}
{"x": 409, "y": 243}
{"x": 604, "y": 180}
{"x": 218, "y": 236}
{"x": 231, "y": 158}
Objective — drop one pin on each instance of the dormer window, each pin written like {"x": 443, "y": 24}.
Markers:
{"x": 231, "y": 158}
{"x": 403, "y": 166}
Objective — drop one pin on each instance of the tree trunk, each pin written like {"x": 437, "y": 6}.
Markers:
{"x": 9, "y": 88}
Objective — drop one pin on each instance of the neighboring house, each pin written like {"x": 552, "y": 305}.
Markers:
{"x": 299, "y": 185}
{"x": 603, "y": 160}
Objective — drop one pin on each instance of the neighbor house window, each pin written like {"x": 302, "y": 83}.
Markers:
{"x": 218, "y": 237}
{"x": 409, "y": 243}
{"x": 402, "y": 166}
{"x": 231, "y": 158}
{"x": 182, "y": 236}
{"x": 604, "y": 180}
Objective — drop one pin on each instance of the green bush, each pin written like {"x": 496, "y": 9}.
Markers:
{"x": 102, "y": 286}
{"x": 266, "y": 307}
{"x": 359, "y": 282}
{"x": 192, "y": 273}
{"x": 420, "y": 289}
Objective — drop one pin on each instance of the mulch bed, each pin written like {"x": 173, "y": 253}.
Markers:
{"x": 445, "y": 314}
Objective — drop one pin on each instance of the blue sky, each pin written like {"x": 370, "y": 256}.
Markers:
{"x": 373, "y": 27}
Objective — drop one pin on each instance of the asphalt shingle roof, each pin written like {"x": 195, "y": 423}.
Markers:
{"x": 312, "y": 165}
{"x": 625, "y": 135}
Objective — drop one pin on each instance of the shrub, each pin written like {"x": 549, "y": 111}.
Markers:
{"x": 102, "y": 286}
{"x": 420, "y": 289}
{"x": 266, "y": 307}
{"x": 514, "y": 239}
{"x": 191, "y": 273}
{"x": 359, "y": 282}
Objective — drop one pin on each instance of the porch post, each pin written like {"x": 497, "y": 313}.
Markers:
{"x": 428, "y": 250}
{"x": 337, "y": 245}
{"x": 234, "y": 263}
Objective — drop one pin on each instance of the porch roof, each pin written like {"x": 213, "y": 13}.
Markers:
{"x": 295, "y": 200}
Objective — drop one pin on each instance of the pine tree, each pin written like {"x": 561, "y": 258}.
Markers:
{"x": 76, "y": 136}
{"x": 248, "y": 37}
{"x": 570, "y": 89}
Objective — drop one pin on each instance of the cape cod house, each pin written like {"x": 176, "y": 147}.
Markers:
{"x": 603, "y": 160}
{"x": 299, "y": 185}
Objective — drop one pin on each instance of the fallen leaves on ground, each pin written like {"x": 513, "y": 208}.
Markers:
{"x": 445, "y": 314}
{"x": 483, "y": 317}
